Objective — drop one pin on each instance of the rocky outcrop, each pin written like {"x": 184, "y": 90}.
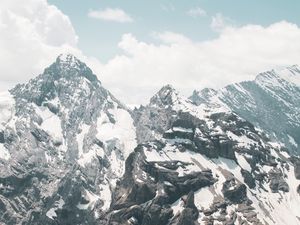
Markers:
{"x": 189, "y": 214}
{"x": 277, "y": 181}
{"x": 248, "y": 178}
{"x": 296, "y": 162}
{"x": 146, "y": 191}
{"x": 234, "y": 191}
{"x": 2, "y": 136}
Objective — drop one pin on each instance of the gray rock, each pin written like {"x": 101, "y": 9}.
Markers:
{"x": 277, "y": 182}
{"x": 234, "y": 191}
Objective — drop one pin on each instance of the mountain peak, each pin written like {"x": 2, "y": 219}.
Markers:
{"x": 202, "y": 96}
{"x": 68, "y": 66}
{"x": 294, "y": 67}
{"x": 66, "y": 74}
{"x": 274, "y": 77}
{"x": 167, "y": 95}
{"x": 166, "y": 89}
{"x": 67, "y": 59}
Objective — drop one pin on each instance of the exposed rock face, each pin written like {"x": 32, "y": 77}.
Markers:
{"x": 234, "y": 191}
{"x": 147, "y": 191}
{"x": 296, "y": 162}
{"x": 2, "y": 136}
{"x": 70, "y": 154}
{"x": 248, "y": 178}
{"x": 241, "y": 158}
{"x": 271, "y": 102}
{"x": 67, "y": 138}
{"x": 277, "y": 181}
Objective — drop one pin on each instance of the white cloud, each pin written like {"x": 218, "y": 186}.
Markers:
{"x": 239, "y": 53}
{"x": 109, "y": 14}
{"x": 219, "y": 22}
{"x": 196, "y": 12}
{"x": 33, "y": 34}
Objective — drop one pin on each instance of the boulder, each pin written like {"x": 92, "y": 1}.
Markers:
{"x": 248, "y": 178}
{"x": 234, "y": 191}
{"x": 277, "y": 182}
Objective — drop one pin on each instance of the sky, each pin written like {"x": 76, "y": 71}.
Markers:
{"x": 136, "y": 46}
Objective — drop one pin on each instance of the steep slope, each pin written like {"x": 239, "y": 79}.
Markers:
{"x": 70, "y": 153}
{"x": 271, "y": 102}
{"x": 203, "y": 165}
{"x": 63, "y": 143}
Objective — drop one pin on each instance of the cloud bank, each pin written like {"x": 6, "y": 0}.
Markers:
{"x": 33, "y": 34}
{"x": 239, "y": 53}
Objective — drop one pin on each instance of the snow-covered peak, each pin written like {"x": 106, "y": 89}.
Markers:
{"x": 202, "y": 96}
{"x": 271, "y": 101}
{"x": 288, "y": 75}
{"x": 291, "y": 74}
{"x": 68, "y": 66}
{"x": 167, "y": 90}
{"x": 67, "y": 57}
{"x": 68, "y": 137}
{"x": 166, "y": 96}
{"x": 67, "y": 78}
{"x": 68, "y": 60}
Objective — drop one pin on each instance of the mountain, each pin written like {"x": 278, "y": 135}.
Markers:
{"x": 71, "y": 153}
{"x": 63, "y": 140}
{"x": 271, "y": 102}
{"x": 204, "y": 165}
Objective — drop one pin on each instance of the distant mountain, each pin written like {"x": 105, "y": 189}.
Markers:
{"x": 271, "y": 102}
{"x": 71, "y": 153}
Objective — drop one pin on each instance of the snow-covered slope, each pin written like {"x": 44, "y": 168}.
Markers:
{"x": 63, "y": 144}
{"x": 204, "y": 165}
{"x": 70, "y": 153}
{"x": 271, "y": 102}
{"x": 6, "y": 113}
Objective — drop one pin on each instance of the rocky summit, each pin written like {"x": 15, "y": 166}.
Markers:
{"x": 71, "y": 153}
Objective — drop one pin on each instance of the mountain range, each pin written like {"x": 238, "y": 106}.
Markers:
{"x": 71, "y": 153}
{"x": 271, "y": 102}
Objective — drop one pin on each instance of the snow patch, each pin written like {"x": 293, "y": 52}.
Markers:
{"x": 4, "y": 153}
{"x": 182, "y": 129}
{"x": 58, "y": 205}
{"x": 123, "y": 129}
{"x": 204, "y": 198}
{"x": 92, "y": 198}
{"x": 87, "y": 158}
{"x": 105, "y": 194}
{"x": 243, "y": 141}
{"x": 7, "y": 104}
{"x": 243, "y": 162}
{"x": 119, "y": 137}
{"x": 80, "y": 138}
{"x": 292, "y": 141}
{"x": 51, "y": 122}
{"x": 177, "y": 207}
